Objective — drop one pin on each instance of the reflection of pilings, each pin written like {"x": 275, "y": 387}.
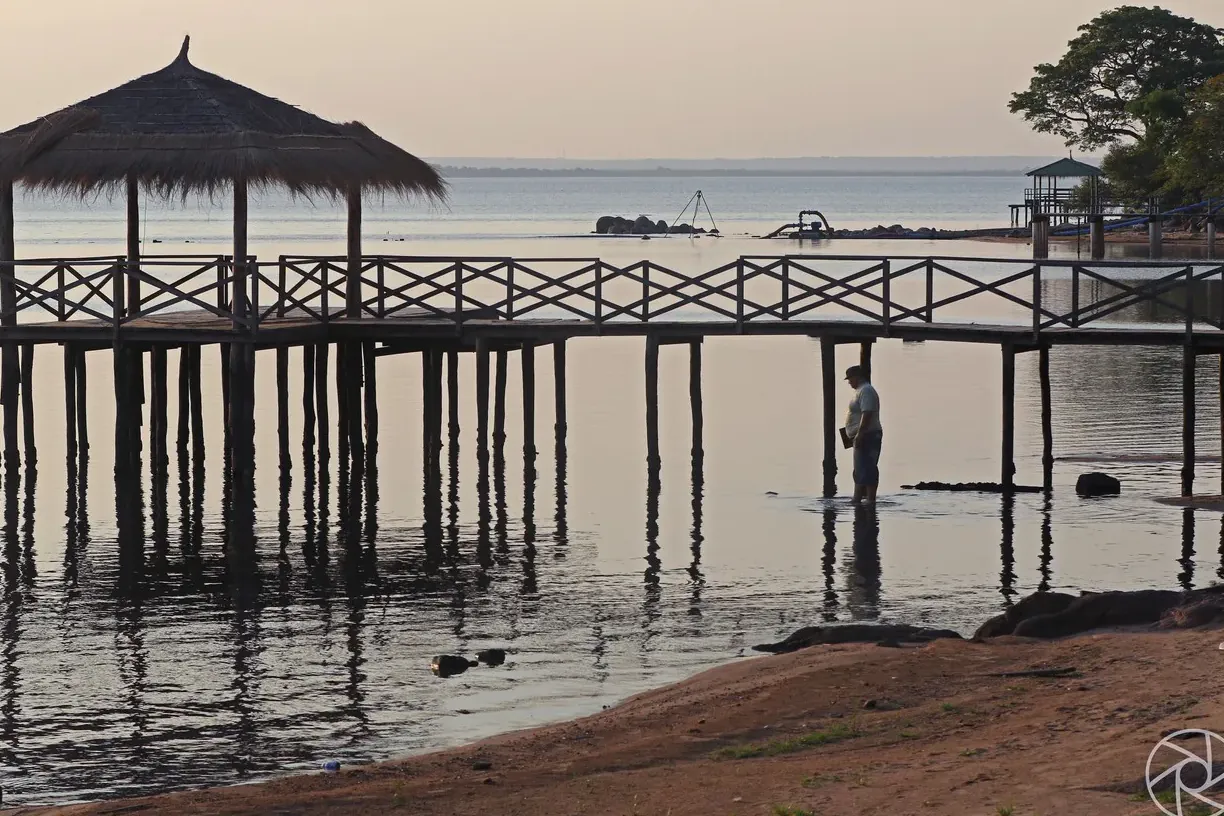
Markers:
{"x": 530, "y": 583}
{"x": 696, "y": 578}
{"x": 1186, "y": 576}
{"x": 654, "y": 565}
{"x": 1009, "y": 417}
{"x": 1047, "y": 543}
{"x": 72, "y": 553}
{"x": 29, "y": 570}
{"x": 1047, "y": 421}
{"x": 159, "y": 456}
{"x": 828, "y": 563}
{"x": 1007, "y": 576}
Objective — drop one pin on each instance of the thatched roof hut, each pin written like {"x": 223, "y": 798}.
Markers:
{"x": 182, "y": 130}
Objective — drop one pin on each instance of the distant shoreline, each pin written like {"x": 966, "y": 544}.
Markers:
{"x": 667, "y": 172}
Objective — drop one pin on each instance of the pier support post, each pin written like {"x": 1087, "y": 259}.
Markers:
{"x": 197, "y": 409}
{"x": 561, "y": 424}
{"x": 1009, "y": 417}
{"x": 529, "y": 420}
{"x": 1156, "y": 237}
{"x": 370, "y": 382}
{"x": 308, "y": 401}
{"x": 282, "y": 405}
{"x": 321, "y": 411}
{"x": 499, "y": 400}
{"x": 430, "y": 405}
{"x": 1096, "y": 237}
{"x": 435, "y": 413}
{"x": 1188, "y": 366}
{"x": 70, "y": 407}
{"x": 9, "y": 375}
{"x": 343, "y": 414}
{"x": 183, "y": 444}
{"x": 1047, "y": 422}
{"x": 1211, "y": 236}
{"x": 828, "y": 380}
{"x": 27, "y": 403}
{"x": 82, "y": 416}
{"x": 452, "y": 394}
{"x": 865, "y": 357}
{"x": 159, "y": 459}
{"x": 1041, "y": 237}
{"x": 482, "y": 400}
{"x": 695, "y": 401}
{"x": 652, "y": 401}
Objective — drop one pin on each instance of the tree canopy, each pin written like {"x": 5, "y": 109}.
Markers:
{"x": 1196, "y": 163}
{"x": 1124, "y": 78}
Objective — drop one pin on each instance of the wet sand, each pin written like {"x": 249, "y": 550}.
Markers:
{"x": 855, "y": 729}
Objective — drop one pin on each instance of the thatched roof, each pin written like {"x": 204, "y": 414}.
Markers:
{"x": 182, "y": 130}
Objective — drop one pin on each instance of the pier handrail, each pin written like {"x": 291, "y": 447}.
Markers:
{"x": 888, "y": 291}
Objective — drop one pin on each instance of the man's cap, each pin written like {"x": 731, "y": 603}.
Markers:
{"x": 856, "y": 371}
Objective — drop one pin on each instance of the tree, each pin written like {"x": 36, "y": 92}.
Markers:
{"x": 1123, "y": 78}
{"x": 1196, "y": 164}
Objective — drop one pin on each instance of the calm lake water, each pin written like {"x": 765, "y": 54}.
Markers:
{"x": 598, "y": 585}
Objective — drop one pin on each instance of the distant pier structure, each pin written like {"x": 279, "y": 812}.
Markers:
{"x": 1060, "y": 203}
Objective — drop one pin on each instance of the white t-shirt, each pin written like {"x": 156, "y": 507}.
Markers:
{"x": 865, "y": 399}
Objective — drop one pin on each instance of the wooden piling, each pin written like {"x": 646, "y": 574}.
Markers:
{"x": 828, "y": 379}
{"x": 320, "y": 377}
{"x": 282, "y": 405}
{"x": 427, "y": 408}
{"x": 435, "y": 416}
{"x": 865, "y": 357}
{"x": 482, "y": 399}
{"x": 1096, "y": 237}
{"x": 82, "y": 416}
{"x": 1156, "y": 237}
{"x": 353, "y": 380}
{"x": 1211, "y": 236}
{"x": 452, "y": 393}
{"x": 184, "y": 405}
{"x": 227, "y": 432}
{"x": 1047, "y": 422}
{"x": 529, "y": 419}
{"x": 370, "y": 379}
{"x": 1009, "y": 417}
{"x": 652, "y": 401}
{"x": 695, "y": 401}
{"x": 343, "y": 414}
{"x": 27, "y": 403}
{"x": 1188, "y": 366}
{"x": 499, "y": 400}
{"x": 9, "y": 374}
{"x": 159, "y": 459}
{"x": 70, "y": 406}
{"x": 197, "y": 408}
{"x": 561, "y": 426}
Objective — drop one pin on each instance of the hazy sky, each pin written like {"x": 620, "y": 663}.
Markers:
{"x": 582, "y": 78}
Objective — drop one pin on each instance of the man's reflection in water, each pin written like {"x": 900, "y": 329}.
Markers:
{"x": 864, "y": 574}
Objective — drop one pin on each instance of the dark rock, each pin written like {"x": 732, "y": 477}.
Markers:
{"x": 1039, "y": 603}
{"x": 450, "y": 665}
{"x": 1097, "y": 484}
{"x": 681, "y": 229}
{"x": 618, "y": 229}
{"x": 972, "y": 487}
{"x": 1101, "y": 610}
{"x": 1194, "y": 614}
{"x": 604, "y": 225}
{"x": 889, "y": 643}
{"x": 869, "y": 704}
{"x": 662, "y": 227}
{"x": 492, "y": 657}
{"x": 643, "y": 226}
{"x": 482, "y": 765}
{"x": 854, "y": 633}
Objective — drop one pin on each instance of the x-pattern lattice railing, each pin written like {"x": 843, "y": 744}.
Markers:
{"x": 750, "y": 289}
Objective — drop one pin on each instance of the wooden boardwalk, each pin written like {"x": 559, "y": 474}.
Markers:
{"x": 439, "y": 307}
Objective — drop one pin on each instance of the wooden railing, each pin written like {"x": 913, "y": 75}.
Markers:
{"x": 889, "y": 291}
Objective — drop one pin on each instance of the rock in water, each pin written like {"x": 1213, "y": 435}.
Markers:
{"x": 604, "y": 225}
{"x": 492, "y": 657}
{"x": 662, "y": 227}
{"x": 855, "y": 633}
{"x": 450, "y": 665}
{"x": 1097, "y": 484}
{"x": 643, "y": 226}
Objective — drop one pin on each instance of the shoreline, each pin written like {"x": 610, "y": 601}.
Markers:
{"x": 834, "y": 729}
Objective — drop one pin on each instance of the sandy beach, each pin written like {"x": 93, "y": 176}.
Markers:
{"x": 856, "y": 729}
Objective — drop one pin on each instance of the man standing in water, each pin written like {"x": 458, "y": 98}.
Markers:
{"x": 864, "y": 428}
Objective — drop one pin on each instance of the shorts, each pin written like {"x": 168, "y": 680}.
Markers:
{"x": 867, "y": 460}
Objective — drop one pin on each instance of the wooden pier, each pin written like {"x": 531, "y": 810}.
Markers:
{"x": 343, "y": 322}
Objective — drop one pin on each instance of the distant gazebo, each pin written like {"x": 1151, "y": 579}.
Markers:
{"x": 1046, "y": 197}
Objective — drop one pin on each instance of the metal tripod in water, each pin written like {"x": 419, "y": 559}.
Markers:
{"x": 696, "y": 203}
